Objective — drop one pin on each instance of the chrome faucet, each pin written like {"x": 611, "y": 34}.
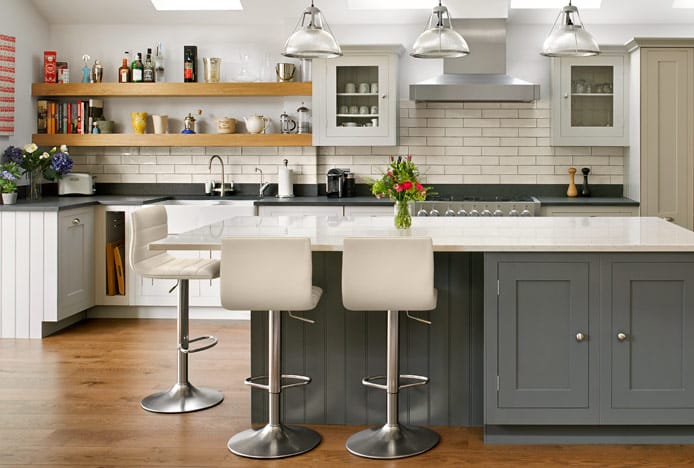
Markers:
{"x": 223, "y": 188}
{"x": 263, "y": 186}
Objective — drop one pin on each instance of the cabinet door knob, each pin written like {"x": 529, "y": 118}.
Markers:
{"x": 580, "y": 337}
{"x": 76, "y": 221}
{"x": 621, "y": 336}
{"x": 384, "y": 96}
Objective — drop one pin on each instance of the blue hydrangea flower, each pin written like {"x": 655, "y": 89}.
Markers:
{"x": 8, "y": 175}
{"x": 61, "y": 163}
{"x": 13, "y": 154}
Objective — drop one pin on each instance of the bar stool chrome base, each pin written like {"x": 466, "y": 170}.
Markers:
{"x": 277, "y": 441}
{"x": 388, "y": 442}
{"x": 182, "y": 398}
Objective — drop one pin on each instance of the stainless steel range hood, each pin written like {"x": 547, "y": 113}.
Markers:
{"x": 480, "y": 76}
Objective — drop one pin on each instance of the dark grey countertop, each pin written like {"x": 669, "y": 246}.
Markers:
{"x": 587, "y": 201}
{"x": 55, "y": 203}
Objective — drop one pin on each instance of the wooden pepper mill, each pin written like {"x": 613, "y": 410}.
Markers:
{"x": 572, "y": 191}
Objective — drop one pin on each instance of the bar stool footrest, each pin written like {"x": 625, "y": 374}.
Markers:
{"x": 213, "y": 342}
{"x": 303, "y": 380}
{"x": 419, "y": 380}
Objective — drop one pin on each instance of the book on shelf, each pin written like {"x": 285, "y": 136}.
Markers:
{"x": 68, "y": 117}
{"x": 42, "y": 116}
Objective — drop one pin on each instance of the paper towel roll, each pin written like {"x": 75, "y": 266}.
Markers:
{"x": 284, "y": 184}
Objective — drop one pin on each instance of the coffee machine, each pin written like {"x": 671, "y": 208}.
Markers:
{"x": 335, "y": 182}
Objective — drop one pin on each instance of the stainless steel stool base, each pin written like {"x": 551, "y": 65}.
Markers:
{"x": 182, "y": 398}
{"x": 277, "y": 441}
{"x": 388, "y": 442}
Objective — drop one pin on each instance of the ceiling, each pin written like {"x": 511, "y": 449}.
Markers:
{"x": 336, "y": 12}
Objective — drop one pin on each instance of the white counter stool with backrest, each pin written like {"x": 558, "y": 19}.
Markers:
{"x": 272, "y": 274}
{"x": 149, "y": 225}
{"x": 390, "y": 274}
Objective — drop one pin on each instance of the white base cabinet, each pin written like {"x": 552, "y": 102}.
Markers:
{"x": 75, "y": 261}
{"x": 589, "y": 210}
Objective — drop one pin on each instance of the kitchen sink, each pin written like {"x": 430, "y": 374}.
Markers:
{"x": 184, "y": 215}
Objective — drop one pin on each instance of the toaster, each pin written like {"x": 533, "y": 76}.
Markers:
{"x": 76, "y": 184}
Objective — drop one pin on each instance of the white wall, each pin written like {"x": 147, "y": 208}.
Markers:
{"x": 18, "y": 18}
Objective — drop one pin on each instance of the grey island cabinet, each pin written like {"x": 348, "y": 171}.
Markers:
{"x": 546, "y": 329}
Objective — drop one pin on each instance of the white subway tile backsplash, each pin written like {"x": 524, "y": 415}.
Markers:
{"x": 452, "y": 143}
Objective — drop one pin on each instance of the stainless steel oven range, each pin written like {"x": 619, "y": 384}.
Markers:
{"x": 478, "y": 206}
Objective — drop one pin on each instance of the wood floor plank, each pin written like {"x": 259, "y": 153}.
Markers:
{"x": 73, "y": 400}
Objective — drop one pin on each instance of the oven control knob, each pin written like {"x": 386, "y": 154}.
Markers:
{"x": 498, "y": 213}
{"x": 449, "y": 212}
{"x": 462, "y": 212}
{"x": 526, "y": 213}
{"x": 474, "y": 213}
{"x": 422, "y": 212}
{"x": 434, "y": 212}
{"x": 486, "y": 213}
{"x": 514, "y": 212}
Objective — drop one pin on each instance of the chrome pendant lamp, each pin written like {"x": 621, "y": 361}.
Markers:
{"x": 312, "y": 37}
{"x": 568, "y": 37}
{"x": 439, "y": 39}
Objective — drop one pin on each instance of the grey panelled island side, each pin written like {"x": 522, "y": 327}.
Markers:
{"x": 546, "y": 330}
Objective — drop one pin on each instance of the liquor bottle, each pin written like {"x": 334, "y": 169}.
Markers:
{"x": 188, "y": 72}
{"x": 124, "y": 72}
{"x": 148, "y": 71}
{"x": 159, "y": 66}
{"x": 136, "y": 69}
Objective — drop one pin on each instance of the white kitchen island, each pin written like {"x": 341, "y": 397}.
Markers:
{"x": 557, "y": 330}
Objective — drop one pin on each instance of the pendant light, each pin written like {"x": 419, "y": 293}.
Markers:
{"x": 569, "y": 38}
{"x": 312, "y": 37}
{"x": 439, "y": 39}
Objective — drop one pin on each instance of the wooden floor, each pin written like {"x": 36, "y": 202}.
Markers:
{"x": 73, "y": 400}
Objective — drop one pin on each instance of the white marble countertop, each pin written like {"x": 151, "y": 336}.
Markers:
{"x": 538, "y": 234}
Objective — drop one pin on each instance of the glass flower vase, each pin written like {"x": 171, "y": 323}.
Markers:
{"x": 403, "y": 218}
{"x": 34, "y": 188}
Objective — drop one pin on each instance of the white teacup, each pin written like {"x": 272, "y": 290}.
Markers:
{"x": 350, "y": 88}
{"x": 364, "y": 87}
{"x": 354, "y": 109}
{"x": 344, "y": 109}
{"x": 364, "y": 110}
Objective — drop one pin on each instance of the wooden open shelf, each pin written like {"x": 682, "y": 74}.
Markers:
{"x": 200, "y": 139}
{"x": 171, "y": 89}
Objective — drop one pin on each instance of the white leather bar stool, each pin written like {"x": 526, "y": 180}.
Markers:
{"x": 273, "y": 274}
{"x": 390, "y": 274}
{"x": 149, "y": 225}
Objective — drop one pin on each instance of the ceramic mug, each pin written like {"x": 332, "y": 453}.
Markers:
{"x": 364, "y": 110}
{"x": 105, "y": 126}
{"x": 374, "y": 110}
{"x": 354, "y": 109}
{"x": 364, "y": 87}
{"x": 344, "y": 110}
{"x": 161, "y": 123}
{"x": 374, "y": 87}
{"x": 139, "y": 122}
{"x": 226, "y": 125}
{"x": 350, "y": 88}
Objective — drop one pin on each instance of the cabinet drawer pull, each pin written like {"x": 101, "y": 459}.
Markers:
{"x": 580, "y": 337}
{"x": 669, "y": 218}
{"x": 621, "y": 336}
{"x": 76, "y": 221}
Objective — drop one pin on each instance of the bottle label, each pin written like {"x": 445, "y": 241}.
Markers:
{"x": 148, "y": 74}
{"x": 137, "y": 74}
{"x": 124, "y": 76}
{"x": 188, "y": 71}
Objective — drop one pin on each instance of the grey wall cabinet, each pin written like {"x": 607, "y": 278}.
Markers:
{"x": 648, "y": 362}
{"x": 539, "y": 325}
{"x": 633, "y": 362}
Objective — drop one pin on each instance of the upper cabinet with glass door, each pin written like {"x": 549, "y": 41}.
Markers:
{"x": 590, "y": 99}
{"x": 355, "y": 97}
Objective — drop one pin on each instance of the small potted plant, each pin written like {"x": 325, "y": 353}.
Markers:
{"x": 401, "y": 184}
{"x": 9, "y": 173}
